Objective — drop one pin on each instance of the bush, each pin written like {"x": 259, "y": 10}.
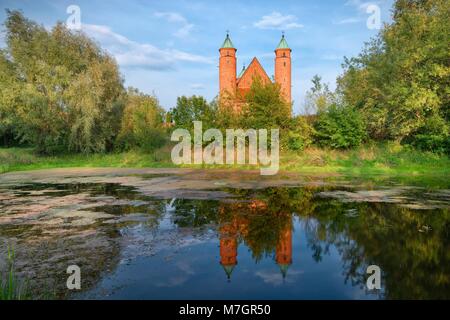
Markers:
{"x": 339, "y": 127}
{"x": 433, "y": 136}
{"x": 264, "y": 107}
{"x": 299, "y": 135}
{"x": 142, "y": 123}
{"x": 190, "y": 109}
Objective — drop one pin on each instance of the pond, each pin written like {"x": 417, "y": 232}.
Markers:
{"x": 287, "y": 241}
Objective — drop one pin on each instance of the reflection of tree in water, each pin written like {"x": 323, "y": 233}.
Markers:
{"x": 41, "y": 261}
{"x": 263, "y": 224}
{"x": 414, "y": 260}
{"x": 414, "y": 264}
{"x": 60, "y": 231}
{"x": 195, "y": 213}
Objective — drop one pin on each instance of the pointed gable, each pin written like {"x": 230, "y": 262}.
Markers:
{"x": 255, "y": 69}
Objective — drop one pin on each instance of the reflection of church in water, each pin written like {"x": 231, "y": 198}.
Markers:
{"x": 238, "y": 226}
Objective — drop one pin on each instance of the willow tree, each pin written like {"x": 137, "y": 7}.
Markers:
{"x": 142, "y": 124}
{"x": 60, "y": 90}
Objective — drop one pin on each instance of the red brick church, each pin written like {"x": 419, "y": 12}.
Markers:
{"x": 231, "y": 84}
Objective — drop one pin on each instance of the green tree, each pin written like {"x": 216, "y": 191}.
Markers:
{"x": 401, "y": 80}
{"x": 142, "y": 123}
{"x": 265, "y": 108}
{"x": 318, "y": 98}
{"x": 339, "y": 127}
{"x": 60, "y": 91}
{"x": 300, "y": 134}
{"x": 194, "y": 108}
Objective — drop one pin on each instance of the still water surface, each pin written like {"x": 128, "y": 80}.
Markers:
{"x": 295, "y": 242}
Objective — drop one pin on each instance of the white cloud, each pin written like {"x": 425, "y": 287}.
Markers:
{"x": 360, "y": 5}
{"x": 275, "y": 278}
{"x": 171, "y": 17}
{"x": 363, "y": 5}
{"x": 176, "y": 18}
{"x": 348, "y": 21}
{"x": 129, "y": 53}
{"x": 276, "y": 20}
{"x": 184, "y": 31}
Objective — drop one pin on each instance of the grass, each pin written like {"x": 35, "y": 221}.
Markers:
{"x": 10, "y": 287}
{"x": 21, "y": 159}
{"x": 378, "y": 163}
{"x": 370, "y": 159}
{"x": 386, "y": 158}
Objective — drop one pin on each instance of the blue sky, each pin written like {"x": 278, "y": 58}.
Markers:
{"x": 170, "y": 48}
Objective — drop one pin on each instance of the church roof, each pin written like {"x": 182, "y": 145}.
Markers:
{"x": 256, "y": 66}
{"x": 284, "y": 268}
{"x": 227, "y": 43}
{"x": 283, "y": 44}
{"x": 228, "y": 270}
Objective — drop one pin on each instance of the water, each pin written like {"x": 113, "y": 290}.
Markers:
{"x": 296, "y": 242}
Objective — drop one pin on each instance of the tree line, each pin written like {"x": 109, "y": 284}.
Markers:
{"x": 61, "y": 92}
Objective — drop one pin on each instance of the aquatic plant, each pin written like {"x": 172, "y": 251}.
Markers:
{"x": 10, "y": 286}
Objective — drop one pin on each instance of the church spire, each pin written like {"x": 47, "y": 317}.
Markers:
{"x": 284, "y": 268}
{"x": 242, "y": 71}
{"x": 228, "y": 270}
{"x": 227, "y": 43}
{"x": 283, "y": 44}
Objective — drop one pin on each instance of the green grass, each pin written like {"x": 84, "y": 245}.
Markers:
{"x": 377, "y": 163}
{"x": 10, "y": 287}
{"x": 13, "y": 288}
{"x": 21, "y": 159}
{"x": 386, "y": 158}
{"x": 370, "y": 159}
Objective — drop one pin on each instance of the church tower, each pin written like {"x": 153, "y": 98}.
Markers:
{"x": 283, "y": 252}
{"x": 283, "y": 68}
{"x": 227, "y": 67}
{"x": 228, "y": 247}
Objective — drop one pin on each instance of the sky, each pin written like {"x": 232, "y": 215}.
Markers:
{"x": 170, "y": 48}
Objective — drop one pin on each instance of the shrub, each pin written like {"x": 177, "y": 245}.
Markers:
{"x": 190, "y": 109}
{"x": 264, "y": 107}
{"x": 339, "y": 127}
{"x": 142, "y": 123}
{"x": 433, "y": 136}
{"x": 299, "y": 135}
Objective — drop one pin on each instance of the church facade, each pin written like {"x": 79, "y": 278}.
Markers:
{"x": 233, "y": 85}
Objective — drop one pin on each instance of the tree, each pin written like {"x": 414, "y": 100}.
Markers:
{"x": 142, "y": 123}
{"x": 264, "y": 107}
{"x": 300, "y": 134}
{"x": 62, "y": 92}
{"x": 318, "y": 98}
{"x": 190, "y": 109}
{"x": 339, "y": 127}
{"x": 402, "y": 77}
